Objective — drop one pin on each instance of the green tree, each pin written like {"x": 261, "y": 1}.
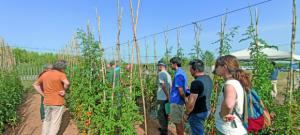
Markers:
{"x": 208, "y": 58}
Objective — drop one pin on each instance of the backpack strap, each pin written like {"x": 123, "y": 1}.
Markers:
{"x": 245, "y": 107}
{"x": 243, "y": 118}
{"x": 251, "y": 102}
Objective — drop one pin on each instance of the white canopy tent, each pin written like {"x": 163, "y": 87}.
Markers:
{"x": 272, "y": 53}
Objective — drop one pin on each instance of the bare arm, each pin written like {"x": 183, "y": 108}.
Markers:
{"x": 229, "y": 100}
{"x": 66, "y": 84}
{"x": 191, "y": 103}
{"x": 181, "y": 92}
{"x": 38, "y": 88}
{"x": 164, "y": 87}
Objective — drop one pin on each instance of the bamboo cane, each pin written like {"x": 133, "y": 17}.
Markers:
{"x": 256, "y": 28}
{"x": 4, "y": 56}
{"x": 293, "y": 44}
{"x": 13, "y": 60}
{"x": 155, "y": 55}
{"x": 2, "y": 53}
{"x": 166, "y": 37}
{"x": 197, "y": 30}
{"x": 217, "y": 79}
{"x": 222, "y": 34}
{"x": 9, "y": 58}
{"x": 146, "y": 47}
{"x": 100, "y": 47}
{"x": 134, "y": 21}
{"x": 147, "y": 70}
{"x": 178, "y": 41}
{"x": 117, "y": 62}
{"x": 128, "y": 47}
{"x": 103, "y": 69}
{"x": 120, "y": 14}
{"x": 73, "y": 50}
{"x": 131, "y": 68}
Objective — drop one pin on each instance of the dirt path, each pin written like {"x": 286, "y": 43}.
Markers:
{"x": 31, "y": 122}
{"x": 153, "y": 128}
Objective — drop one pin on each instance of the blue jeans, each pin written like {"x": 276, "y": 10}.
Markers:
{"x": 197, "y": 122}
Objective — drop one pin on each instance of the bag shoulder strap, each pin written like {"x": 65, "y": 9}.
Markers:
{"x": 243, "y": 118}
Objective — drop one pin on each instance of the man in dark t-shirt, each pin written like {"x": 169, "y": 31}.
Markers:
{"x": 198, "y": 105}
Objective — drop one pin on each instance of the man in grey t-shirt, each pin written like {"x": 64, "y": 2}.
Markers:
{"x": 164, "y": 83}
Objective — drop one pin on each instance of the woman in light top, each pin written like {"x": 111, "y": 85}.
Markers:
{"x": 231, "y": 99}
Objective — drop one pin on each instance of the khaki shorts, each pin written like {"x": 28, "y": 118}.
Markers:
{"x": 176, "y": 113}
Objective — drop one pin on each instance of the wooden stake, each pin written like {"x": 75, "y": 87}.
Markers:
{"x": 166, "y": 44}
{"x": 293, "y": 44}
{"x": 155, "y": 55}
{"x": 197, "y": 30}
{"x": 128, "y": 51}
{"x": 222, "y": 35}
{"x": 114, "y": 79}
{"x": 2, "y": 53}
{"x": 178, "y": 41}
{"x": 120, "y": 13}
{"x": 256, "y": 23}
{"x": 131, "y": 68}
{"x": 100, "y": 47}
{"x": 134, "y": 21}
{"x": 146, "y": 47}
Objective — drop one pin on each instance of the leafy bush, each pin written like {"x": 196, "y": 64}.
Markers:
{"x": 11, "y": 91}
{"x": 285, "y": 123}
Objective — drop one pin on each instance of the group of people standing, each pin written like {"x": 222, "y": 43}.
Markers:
{"x": 193, "y": 105}
{"x": 195, "y": 108}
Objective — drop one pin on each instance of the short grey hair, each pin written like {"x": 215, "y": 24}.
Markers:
{"x": 60, "y": 65}
{"x": 48, "y": 66}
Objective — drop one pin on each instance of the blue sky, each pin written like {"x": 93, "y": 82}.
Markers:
{"x": 49, "y": 25}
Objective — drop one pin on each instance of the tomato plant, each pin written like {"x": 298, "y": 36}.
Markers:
{"x": 96, "y": 106}
{"x": 11, "y": 93}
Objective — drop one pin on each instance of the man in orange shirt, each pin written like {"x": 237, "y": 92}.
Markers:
{"x": 54, "y": 83}
{"x": 47, "y": 67}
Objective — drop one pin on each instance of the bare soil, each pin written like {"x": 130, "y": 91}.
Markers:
{"x": 31, "y": 124}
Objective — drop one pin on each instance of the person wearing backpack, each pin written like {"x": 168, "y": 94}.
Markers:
{"x": 198, "y": 104}
{"x": 230, "y": 103}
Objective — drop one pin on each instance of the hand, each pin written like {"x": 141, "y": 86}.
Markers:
{"x": 62, "y": 93}
{"x": 229, "y": 118}
{"x": 186, "y": 100}
{"x": 185, "y": 117}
